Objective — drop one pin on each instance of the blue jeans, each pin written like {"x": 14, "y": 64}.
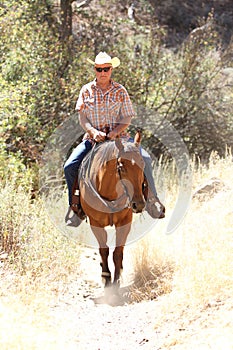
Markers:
{"x": 73, "y": 163}
{"x": 148, "y": 170}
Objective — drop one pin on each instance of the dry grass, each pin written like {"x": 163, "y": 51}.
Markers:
{"x": 34, "y": 255}
{"x": 153, "y": 271}
{"x": 37, "y": 262}
{"x": 195, "y": 262}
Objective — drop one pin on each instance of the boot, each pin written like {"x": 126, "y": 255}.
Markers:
{"x": 73, "y": 220}
{"x": 153, "y": 205}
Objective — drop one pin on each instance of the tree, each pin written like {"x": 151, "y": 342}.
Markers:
{"x": 66, "y": 19}
{"x": 66, "y": 16}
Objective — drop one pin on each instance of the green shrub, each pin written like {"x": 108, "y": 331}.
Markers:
{"x": 28, "y": 239}
{"x": 41, "y": 76}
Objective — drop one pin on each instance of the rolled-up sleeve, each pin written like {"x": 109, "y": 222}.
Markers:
{"x": 127, "y": 111}
{"x": 80, "y": 102}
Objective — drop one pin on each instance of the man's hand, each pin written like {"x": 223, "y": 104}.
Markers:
{"x": 98, "y": 136}
{"x": 95, "y": 134}
{"x": 112, "y": 135}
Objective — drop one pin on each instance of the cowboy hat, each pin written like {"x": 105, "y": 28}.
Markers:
{"x": 103, "y": 58}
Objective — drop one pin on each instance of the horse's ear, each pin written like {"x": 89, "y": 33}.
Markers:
{"x": 138, "y": 137}
{"x": 119, "y": 144}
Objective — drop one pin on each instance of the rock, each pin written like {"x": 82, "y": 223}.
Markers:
{"x": 209, "y": 189}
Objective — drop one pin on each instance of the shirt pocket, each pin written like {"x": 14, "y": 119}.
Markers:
{"x": 89, "y": 103}
{"x": 114, "y": 107}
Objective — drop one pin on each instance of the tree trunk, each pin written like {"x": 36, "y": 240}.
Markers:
{"x": 66, "y": 19}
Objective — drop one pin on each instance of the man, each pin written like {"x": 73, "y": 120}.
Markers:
{"x": 105, "y": 111}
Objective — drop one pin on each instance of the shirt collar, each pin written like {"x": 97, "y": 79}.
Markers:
{"x": 93, "y": 85}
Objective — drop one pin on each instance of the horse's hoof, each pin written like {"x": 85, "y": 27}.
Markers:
{"x": 106, "y": 278}
{"x": 107, "y": 283}
{"x": 116, "y": 286}
{"x": 115, "y": 300}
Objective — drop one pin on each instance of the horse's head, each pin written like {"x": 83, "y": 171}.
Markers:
{"x": 130, "y": 167}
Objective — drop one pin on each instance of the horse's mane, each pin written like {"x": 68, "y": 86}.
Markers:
{"x": 104, "y": 152}
{"x": 108, "y": 150}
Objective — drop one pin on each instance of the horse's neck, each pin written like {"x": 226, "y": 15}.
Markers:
{"x": 107, "y": 180}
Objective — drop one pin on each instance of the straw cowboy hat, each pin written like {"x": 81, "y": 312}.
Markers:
{"x": 103, "y": 58}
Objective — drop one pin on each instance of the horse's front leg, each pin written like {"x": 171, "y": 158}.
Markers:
{"x": 118, "y": 262}
{"x": 101, "y": 236}
{"x": 106, "y": 274}
{"x": 121, "y": 236}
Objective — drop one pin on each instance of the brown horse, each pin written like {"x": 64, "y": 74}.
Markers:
{"x": 110, "y": 191}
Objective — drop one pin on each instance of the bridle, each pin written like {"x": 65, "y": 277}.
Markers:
{"x": 120, "y": 168}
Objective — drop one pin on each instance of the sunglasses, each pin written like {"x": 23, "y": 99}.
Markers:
{"x": 99, "y": 70}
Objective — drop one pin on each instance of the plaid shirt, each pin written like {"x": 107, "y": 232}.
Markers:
{"x": 107, "y": 109}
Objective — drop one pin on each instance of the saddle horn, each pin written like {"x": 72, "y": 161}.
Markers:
{"x": 119, "y": 144}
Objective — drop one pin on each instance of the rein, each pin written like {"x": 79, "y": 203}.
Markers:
{"x": 119, "y": 170}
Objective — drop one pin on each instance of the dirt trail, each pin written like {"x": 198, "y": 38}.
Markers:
{"x": 78, "y": 317}
{"x": 100, "y": 320}
{"x": 88, "y": 322}
{"x": 102, "y": 326}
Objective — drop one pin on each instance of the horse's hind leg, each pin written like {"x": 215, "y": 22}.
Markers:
{"x": 101, "y": 236}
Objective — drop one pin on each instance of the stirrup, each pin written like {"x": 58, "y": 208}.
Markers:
{"x": 77, "y": 209}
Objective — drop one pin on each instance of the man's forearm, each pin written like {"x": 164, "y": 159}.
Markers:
{"x": 94, "y": 134}
{"x": 122, "y": 126}
{"x": 85, "y": 124}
